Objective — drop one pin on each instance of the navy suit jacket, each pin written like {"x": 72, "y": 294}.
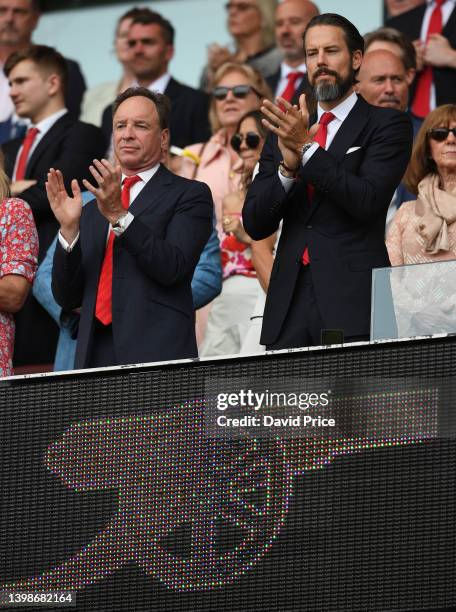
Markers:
{"x": 344, "y": 224}
{"x": 409, "y": 23}
{"x": 189, "y": 120}
{"x": 153, "y": 265}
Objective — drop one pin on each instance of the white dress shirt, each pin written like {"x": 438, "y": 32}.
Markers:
{"x": 43, "y": 126}
{"x": 160, "y": 84}
{"x": 340, "y": 112}
{"x": 285, "y": 70}
{"x": 447, "y": 8}
{"x": 135, "y": 190}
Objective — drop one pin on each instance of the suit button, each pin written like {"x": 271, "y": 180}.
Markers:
{"x": 308, "y": 227}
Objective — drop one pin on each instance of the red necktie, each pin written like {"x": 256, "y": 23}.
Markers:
{"x": 23, "y": 158}
{"x": 290, "y": 89}
{"x": 103, "y": 307}
{"x": 320, "y": 137}
{"x": 421, "y": 106}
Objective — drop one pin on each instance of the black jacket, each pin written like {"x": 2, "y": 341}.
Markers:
{"x": 343, "y": 227}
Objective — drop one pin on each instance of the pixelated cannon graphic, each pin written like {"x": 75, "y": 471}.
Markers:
{"x": 196, "y": 512}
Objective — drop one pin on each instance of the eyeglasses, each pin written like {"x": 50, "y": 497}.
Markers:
{"x": 239, "y": 91}
{"x": 441, "y": 134}
{"x": 239, "y": 6}
{"x": 252, "y": 141}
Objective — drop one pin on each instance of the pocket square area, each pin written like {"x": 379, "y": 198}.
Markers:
{"x": 351, "y": 149}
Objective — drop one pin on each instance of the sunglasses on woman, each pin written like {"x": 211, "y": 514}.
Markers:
{"x": 252, "y": 141}
{"x": 441, "y": 134}
{"x": 238, "y": 91}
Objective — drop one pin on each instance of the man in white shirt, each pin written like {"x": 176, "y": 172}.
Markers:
{"x": 127, "y": 258}
{"x": 291, "y": 19}
{"x": 151, "y": 42}
{"x": 331, "y": 184}
{"x": 38, "y": 77}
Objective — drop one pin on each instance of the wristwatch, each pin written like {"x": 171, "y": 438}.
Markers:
{"x": 305, "y": 147}
{"x": 119, "y": 226}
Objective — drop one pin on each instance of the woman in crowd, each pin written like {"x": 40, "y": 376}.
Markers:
{"x": 251, "y": 24}
{"x": 229, "y": 318}
{"x": 18, "y": 263}
{"x": 237, "y": 90}
{"x": 425, "y": 230}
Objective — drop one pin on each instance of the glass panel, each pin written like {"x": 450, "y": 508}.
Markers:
{"x": 413, "y": 300}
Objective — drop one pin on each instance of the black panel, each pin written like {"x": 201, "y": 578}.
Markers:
{"x": 177, "y": 521}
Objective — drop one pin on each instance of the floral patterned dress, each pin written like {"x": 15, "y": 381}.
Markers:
{"x": 18, "y": 255}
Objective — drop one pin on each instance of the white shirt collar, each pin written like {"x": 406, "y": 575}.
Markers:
{"x": 146, "y": 175}
{"x": 341, "y": 110}
{"x": 160, "y": 84}
{"x": 285, "y": 69}
{"x": 429, "y": 2}
{"x": 45, "y": 124}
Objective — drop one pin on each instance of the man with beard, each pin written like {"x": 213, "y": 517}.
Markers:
{"x": 331, "y": 184}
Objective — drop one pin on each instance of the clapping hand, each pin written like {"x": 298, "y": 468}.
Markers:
{"x": 291, "y": 125}
{"x": 108, "y": 192}
{"x": 66, "y": 209}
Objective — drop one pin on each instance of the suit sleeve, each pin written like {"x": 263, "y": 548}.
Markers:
{"x": 172, "y": 259}
{"x": 366, "y": 194}
{"x": 79, "y": 147}
{"x": 68, "y": 277}
{"x": 266, "y": 198}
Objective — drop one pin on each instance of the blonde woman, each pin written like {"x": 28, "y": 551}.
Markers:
{"x": 18, "y": 263}
{"x": 251, "y": 24}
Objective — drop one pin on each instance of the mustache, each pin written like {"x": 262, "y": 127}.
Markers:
{"x": 324, "y": 71}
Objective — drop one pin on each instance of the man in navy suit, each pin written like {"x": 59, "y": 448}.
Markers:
{"x": 331, "y": 184}
{"x": 127, "y": 258}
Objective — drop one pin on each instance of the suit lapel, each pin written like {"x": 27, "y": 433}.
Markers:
{"x": 152, "y": 192}
{"x": 349, "y": 130}
{"x": 345, "y": 137}
{"x": 450, "y": 26}
{"x": 52, "y": 135}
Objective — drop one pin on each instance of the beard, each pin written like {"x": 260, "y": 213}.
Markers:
{"x": 328, "y": 92}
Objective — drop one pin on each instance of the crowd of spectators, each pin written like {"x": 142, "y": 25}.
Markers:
{"x": 300, "y": 125}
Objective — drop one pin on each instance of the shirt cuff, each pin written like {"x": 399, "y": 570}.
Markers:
{"x": 287, "y": 183}
{"x": 68, "y": 247}
{"x": 123, "y": 224}
{"x": 308, "y": 154}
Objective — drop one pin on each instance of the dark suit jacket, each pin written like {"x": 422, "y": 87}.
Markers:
{"x": 76, "y": 87}
{"x": 189, "y": 121}
{"x": 344, "y": 225}
{"x": 153, "y": 264}
{"x": 70, "y": 146}
{"x": 409, "y": 23}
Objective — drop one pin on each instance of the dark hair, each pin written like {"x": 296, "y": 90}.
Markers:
{"x": 392, "y": 35}
{"x": 257, "y": 117}
{"x": 42, "y": 56}
{"x": 162, "y": 103}
{"x": 354, "y": 40}
{"x": 148, "y": 17}
{"x": 36, "y": 5}
{"x": 130, "y": 14}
